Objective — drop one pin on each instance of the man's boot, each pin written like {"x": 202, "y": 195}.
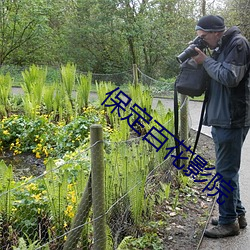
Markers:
{"x": 241, "y": 219}
{"x": 221, "y": 230}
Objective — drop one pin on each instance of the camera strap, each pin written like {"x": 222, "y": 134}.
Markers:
{"x": 176, "y": 122}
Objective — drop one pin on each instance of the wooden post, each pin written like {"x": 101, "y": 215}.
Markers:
{"x": 98, "y": 195}
{"x": 135, "y": 74}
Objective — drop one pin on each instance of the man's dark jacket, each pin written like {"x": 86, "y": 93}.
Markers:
{"x": 229, "y": 90}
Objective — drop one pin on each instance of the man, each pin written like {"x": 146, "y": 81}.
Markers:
{"x": 228, "y": 112}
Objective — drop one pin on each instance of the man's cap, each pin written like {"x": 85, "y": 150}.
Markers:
{"x": 210, "y": 23}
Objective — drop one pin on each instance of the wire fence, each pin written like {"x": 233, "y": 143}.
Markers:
{"x": 160, "y": 87}
{"x": 55, "y": 209}
{"x": 40, "y": 211}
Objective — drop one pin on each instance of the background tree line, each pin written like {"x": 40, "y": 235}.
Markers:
{"x": 107, "y": 36}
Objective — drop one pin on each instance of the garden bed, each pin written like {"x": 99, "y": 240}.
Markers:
{"x": 176, "y": 223}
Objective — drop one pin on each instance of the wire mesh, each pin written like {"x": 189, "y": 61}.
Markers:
{"x": 42, "y": 208}
{"x": 47, "y": 208}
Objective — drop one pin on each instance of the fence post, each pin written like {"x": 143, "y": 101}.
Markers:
{"x": 184, "y": 127}
{"x": 98, "y": 195}
{"x": 135, "y": 74}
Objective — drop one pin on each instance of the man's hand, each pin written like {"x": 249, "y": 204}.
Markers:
{"x": 200, "y": 58}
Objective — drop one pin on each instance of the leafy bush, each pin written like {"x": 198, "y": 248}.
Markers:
{"x": 44, "y": 138}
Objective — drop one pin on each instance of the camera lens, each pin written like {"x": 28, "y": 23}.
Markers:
{"x": 187, "y": 53}
{"x": 190, "y": 51}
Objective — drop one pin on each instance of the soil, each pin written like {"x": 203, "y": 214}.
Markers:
{"x": 186, "y": 226}
{"x": 178, "y": 222}
{"x": 25, "y": 164}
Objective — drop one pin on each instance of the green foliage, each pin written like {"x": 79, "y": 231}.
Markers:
{"x": 23, "y": 28}
{"x": 30, "y": 206}
{"x": 68, "y": 74}
{"x": 55, "y": 196}
{"x": 29, "y": 245}
{"x": 48, "y": 98}
{"x": 83, "y": 90}
{"x": 34, "y": 81}
{"x": 166, "y": 119}
{"x": 102, "y": 89}
{"x": 103, "y": 36}
{"x": 57, "y": 188}
{"x": 147, "y": 241}
{"x": 165, "y": 191}
{"x": 184, "y": 180}
{"x": 142, "y": 96}
{"x": 5, "y": 90}
{"x": 6, "y": 184}
{"x": 42, "y": 136}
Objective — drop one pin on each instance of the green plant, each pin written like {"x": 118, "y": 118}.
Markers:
{"x": 6, "y": 184}
{"x": 176, "y": 199}
{"x": 165, "y": 191}
{"x": 56, "y": 187}
{"x": 29, "y": 245}
{"x": 147, "y": 241}
{"x": 68, "y": 74}
{"x": 184, "y": 180}
{"x": 34, "y": 81}
{"x": 44, "y": 137}
{"x": 142, "y": 96}
{"x": 83, "y": 90}
{"x": 5, "y": 90}
{"x": 166, "y": 119}
{"x": 102, "y": 89}
{"x": 48, "y": 98}
{"x": 30, "y": 207}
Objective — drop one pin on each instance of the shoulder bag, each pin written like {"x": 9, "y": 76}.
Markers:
{"x": 192, "y": 79}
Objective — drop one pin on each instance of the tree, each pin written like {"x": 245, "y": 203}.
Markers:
{"x": 106, "y": 35}
{"x": 237, "y": 12}
{"x": 102, "y": 36}
{"x": 21, "y": 21}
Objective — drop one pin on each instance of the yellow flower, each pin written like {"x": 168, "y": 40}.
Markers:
{"x": 14, "y": 209}
{"x": 16, "y": 152}
{"x": 37, "y": 196}
{"x": 31, "y": 186}
{"x": 69, "y": 211}
{"x": 73, "y": 199}
{"x": 38, "y": 156}
{"x": 6, "y": 132}
{"x": 45, "y": 151}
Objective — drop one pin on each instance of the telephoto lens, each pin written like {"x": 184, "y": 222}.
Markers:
{"x": 190, "y": 50}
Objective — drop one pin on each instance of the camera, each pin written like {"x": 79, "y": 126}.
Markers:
{"x": 190, "y": 51}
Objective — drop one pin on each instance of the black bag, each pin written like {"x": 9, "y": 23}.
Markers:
{"x": 192, "y": 80}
